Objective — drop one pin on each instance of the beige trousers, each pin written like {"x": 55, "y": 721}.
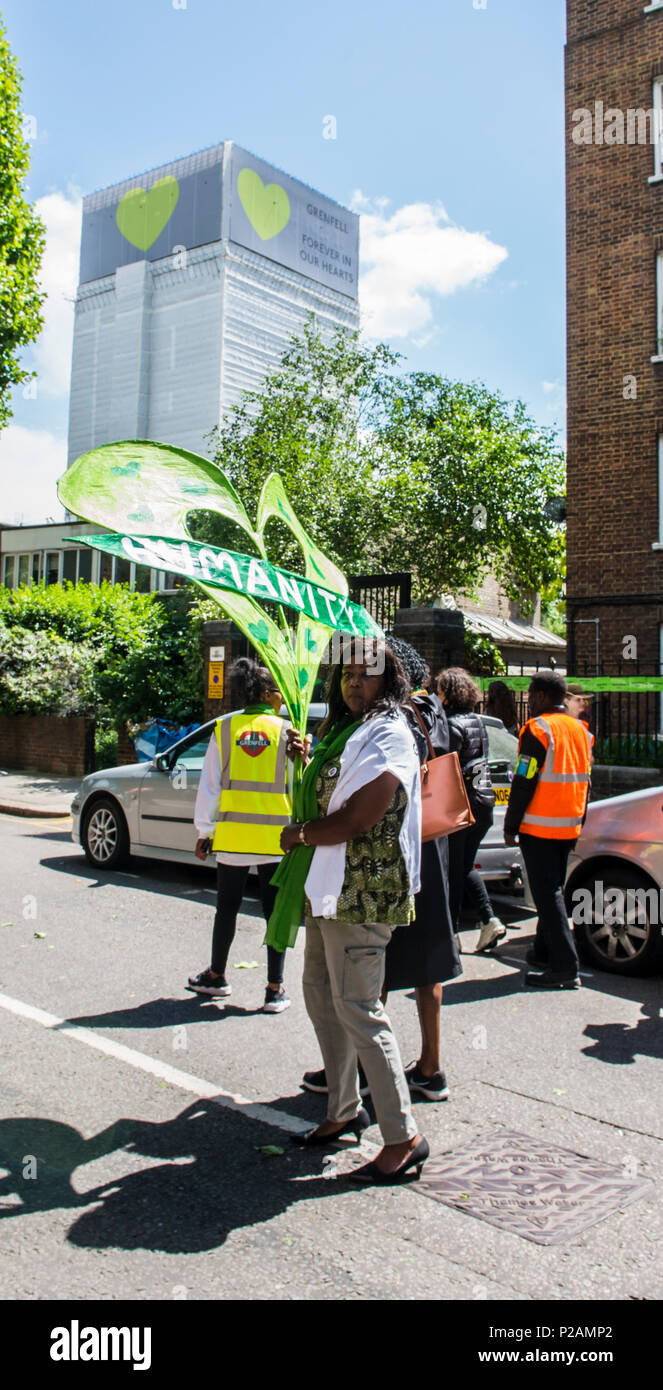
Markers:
{"x": 342, "y": 981}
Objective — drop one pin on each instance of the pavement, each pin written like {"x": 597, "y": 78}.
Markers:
{"x": 145, "y": 1144}
{"x": 36, "y": 794}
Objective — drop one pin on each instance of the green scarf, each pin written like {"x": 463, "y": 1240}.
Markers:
{"x": 292, "y": 871}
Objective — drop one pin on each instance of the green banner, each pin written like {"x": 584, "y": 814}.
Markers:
{"x": 594, "y": 685}
{"x": 144, "y": 493}
{"x": 244, "y": 574}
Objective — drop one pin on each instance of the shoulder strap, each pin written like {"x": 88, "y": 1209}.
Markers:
{"x": 413, "y": 707}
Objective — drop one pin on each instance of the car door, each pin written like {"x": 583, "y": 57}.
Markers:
{"x": 168, "y": 794}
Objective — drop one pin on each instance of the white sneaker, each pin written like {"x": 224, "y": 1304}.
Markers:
{"x": 491, "y": 932}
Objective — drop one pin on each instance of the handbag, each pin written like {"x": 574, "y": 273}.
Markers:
{"x": 445, "y": 806}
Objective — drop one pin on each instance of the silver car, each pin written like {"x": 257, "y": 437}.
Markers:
{"x": 146, "y": 809}
{"x": 615, "y": 881}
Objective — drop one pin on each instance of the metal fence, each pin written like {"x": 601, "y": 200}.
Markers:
{"x": 382, "y": 595}
{"x": 627, "y": 724}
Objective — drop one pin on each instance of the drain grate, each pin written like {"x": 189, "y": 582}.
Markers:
{"x": 529, "y": 1187}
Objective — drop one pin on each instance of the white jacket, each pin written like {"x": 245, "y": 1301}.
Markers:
{"x": 383, "y": 744}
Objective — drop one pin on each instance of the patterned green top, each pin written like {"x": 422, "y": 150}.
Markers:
{"x": 375, "y": 885}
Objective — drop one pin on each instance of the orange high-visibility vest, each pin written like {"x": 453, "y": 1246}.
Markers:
{"x": 557, "y": 808}
{"x": 254, "y": 805}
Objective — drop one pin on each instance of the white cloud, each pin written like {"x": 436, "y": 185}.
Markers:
{"x": 61, "y": 213}
{"x": 31, "y": 461}
{"x": 410, "y": 256}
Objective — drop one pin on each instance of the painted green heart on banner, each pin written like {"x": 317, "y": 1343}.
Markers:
{"x": 101, "y": 487}
{"x": 142, "y": 214}
{"x": 267, "y": 206}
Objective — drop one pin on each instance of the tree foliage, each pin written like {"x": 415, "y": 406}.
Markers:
{"x": 396, "y": 471}
{"x": 21, "y": 237}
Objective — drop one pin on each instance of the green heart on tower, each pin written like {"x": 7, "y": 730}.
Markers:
{"x": 267, "y": 206}
{"x": 142, "y": 215}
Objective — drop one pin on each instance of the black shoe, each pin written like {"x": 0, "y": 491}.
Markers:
{"x": 276, "y": 1000}
{"x": 355, "y": 1126}
{"x": 550, "y": 979}
{"x": 432, "y": 1087}
{"x": 317, "y": 1081}
{"x": 207, "y": 983}
{"x": 537, "y": 961}
{"x": 369, "y": 1173}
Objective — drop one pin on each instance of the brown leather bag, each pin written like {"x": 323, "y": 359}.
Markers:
{"x": 444, "y": 802}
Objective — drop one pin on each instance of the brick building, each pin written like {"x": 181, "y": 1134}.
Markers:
{"x": 614, "y": 172}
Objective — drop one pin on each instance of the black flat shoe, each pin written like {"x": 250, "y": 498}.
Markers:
{"x": 371, "y": 1174}
{"x": 356, "y": 1126}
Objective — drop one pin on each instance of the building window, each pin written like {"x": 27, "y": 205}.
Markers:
{"x": 8, "y": 571}
{"x": 23, "y": 569}
{"x": 69, "y": 565}
{"x": 85, "y": 565}
{"x": 35, "y": 568}
{"x": 658, "y": 128}
{"x": 52, "y": 567}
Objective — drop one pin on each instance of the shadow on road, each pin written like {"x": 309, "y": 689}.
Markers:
{"x": 167, "y": 879}
{"x": 162, "y": 1013}
{"x": 211, "y": 1181}
{"x": 619, "y": 1044}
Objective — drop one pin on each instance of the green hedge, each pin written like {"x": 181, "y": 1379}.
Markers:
{"x": 101, "y": 650}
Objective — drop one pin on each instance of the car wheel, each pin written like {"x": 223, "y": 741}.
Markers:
{"x": 618, "y": 924}
{"x": 105, "y": 837}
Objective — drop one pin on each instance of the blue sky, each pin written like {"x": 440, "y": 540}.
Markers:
{"x": 449, "y": 141}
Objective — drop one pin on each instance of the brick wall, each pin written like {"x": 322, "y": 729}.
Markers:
{"x": 47, "y": 743}
{"x": 614, "y": 228}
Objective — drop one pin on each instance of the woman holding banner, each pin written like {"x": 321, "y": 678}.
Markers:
{"x": 353, "y": 866}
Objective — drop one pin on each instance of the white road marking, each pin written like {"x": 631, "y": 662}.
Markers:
{"x": 185, "y": 1081}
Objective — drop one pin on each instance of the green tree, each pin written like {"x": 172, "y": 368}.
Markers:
{"x": 395, "y": 471}
{"x": 21, "y": 237}
{"x": 464, "y": 482}
{"x": 314, "y": 421}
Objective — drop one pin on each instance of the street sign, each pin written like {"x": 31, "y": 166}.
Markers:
{"x": 215, "y": 680}
{"x": 217, "y": 653}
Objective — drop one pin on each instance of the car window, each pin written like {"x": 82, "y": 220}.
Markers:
{"x": 502, "y": 746}
{"x": 193, "y": 757}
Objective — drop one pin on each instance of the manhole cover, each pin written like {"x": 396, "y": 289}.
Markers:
{"x": 529, "y": 1187}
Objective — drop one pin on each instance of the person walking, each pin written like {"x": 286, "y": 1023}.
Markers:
{"x": 243, "y": 803}
{"x": 546, "y": 810}
{"x": 354, "y": 857}
{"x": 501, "y": 704}
{"x": 468, "y": 738}
{"x": 424, "y": 954}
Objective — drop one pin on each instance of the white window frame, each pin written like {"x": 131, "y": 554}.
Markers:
{"x": 13, "y": 558}
{"x": 657, "y": 104}
{"x": 653, "y": 5}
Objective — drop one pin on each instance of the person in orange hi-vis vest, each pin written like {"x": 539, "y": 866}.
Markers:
{"x": 546, "y": 810}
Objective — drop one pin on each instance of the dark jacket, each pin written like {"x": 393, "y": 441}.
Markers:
{"x": 432, "y": 712}
{"x": 468, "y": 737}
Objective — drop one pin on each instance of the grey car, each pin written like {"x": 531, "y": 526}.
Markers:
{"x": 146, "y": 809}
{"x": 615, "y": 881}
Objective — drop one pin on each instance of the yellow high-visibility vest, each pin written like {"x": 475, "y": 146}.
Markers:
{"x": 254, "y": 805}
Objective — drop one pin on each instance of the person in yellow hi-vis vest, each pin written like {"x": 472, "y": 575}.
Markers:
{"x": 244, "y": 801}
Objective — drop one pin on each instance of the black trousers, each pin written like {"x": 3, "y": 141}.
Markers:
{"x": 230, "y": 885}
{"x": 463, "y": 877}
{"x": 545, "y": 862}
